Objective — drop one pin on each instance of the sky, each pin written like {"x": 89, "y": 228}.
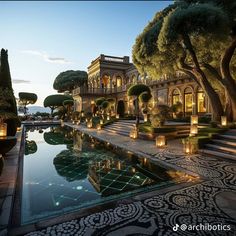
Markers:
{"x": 46, "y": 38}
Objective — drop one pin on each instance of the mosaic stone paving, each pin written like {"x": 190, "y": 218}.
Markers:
{"x": 200, "y": 204}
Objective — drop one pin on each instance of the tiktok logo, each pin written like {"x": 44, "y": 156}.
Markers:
{"x": 175, "y": 228}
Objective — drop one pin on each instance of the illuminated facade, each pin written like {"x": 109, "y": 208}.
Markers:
{"x": 110, "y": 77}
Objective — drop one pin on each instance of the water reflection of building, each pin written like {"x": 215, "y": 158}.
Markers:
{"x": 77, "y": 142}
{"x": 110, "y": 76}
{"x": 98, "y": 169}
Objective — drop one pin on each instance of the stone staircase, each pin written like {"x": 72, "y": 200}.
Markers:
{"x": 122, "y": 127}
{"x": 222, "y": 145}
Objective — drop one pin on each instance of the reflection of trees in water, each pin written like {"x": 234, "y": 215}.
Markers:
{"x": 30, "y": 147}
{"x": 58, "y": 135}
{"x": 71, "y": 165}
{"x": 77, "y": 142}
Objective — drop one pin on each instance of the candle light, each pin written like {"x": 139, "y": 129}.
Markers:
{"x": 133, "y": 134}
{"x": 108, "y": 117}
{"x": 62, "y": 123}
{"x": 3, "y": 129}
{"x": 99, "y": 127}
{"x": 89, "y": 124}
{"x": 223, "y": 120}
{"x": 160, "y": 141}
{"x": 193, "y": 130}
{"x": 194, "y": 119}
{"x": 101, "y": 122}
{"x": 145, "y": 117}
{"x": 117, "y": 116}
{"x": 78, "y": 122}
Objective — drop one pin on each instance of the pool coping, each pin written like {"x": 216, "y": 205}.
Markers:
{"x": 17, "y": 229}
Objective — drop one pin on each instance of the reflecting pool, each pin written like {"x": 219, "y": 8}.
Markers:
{"x": 65, "y": 170}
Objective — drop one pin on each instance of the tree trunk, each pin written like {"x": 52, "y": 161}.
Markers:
{"x": 137, "y": 113}
{"x": 214, "y": 99}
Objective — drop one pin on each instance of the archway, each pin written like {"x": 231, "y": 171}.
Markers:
{"x": 120, "y": 108}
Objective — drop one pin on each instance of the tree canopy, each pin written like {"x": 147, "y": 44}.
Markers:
{"x": 56, "y": 100}
{"x": 195, "y": 37}
{"x": 69, "y": 80}
{"x": 137, "y": 89}
{"x": 27, "y": 98}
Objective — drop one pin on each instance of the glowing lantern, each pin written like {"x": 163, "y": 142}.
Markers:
{"x": 108, "y": 117}
{"x": 101, "y": 122}
{"x": 117, "y": 116}
{"x": 194, "y": 119}
{"x": 223, "y": 120}
{"x": 82, "y": 114}
{"x": 99, "y": 127}
{"x": 62, "y": 123}
{"x": 73, "y": 122}
{"x": 145, "y": 117}
{"x": 78, "y": 122}
{"x": 193, "y": 130}
{"x": 160, "y": 141}
{"x": 3, "y": 129}
{"x": 133, "y": 134}
{"x": 90, "y": 124}
{"x": 190, "y": 146}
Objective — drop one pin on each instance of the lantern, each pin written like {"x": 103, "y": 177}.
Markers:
{"x": 194, "y": 119}
{"x": 108, "y": 117}
{"x": 82, "y": 114}
{"x": 3, "y": 129}
{"x": 133, "y": 134}
{"x": 101, "y": 122}
{"x": 78, "y": 122}
{"x": 90, "y": 124}
{"x": 145, "y": 117}
{"x": 193, "y": 130}
{"x": 62, "y": 123}
{"x": 117, "y": 116}
{"x": 160, "y": 141}
{"x": 99, "y": 127}
{"x": 73, "y": 122}
{"x": 223, "y": 120}
{"x": 190, "y": 146}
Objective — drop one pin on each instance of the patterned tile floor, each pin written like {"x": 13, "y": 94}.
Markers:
{"x": 210, "y": 204}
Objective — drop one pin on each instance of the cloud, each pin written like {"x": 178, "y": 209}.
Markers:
{"x": 46, "y": 57}
{"x": 20, "y": 81}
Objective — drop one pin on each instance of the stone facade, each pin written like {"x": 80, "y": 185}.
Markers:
{"x": 110, "y": 76}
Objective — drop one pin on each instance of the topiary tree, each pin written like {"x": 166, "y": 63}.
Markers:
{"x": 135, "y": 91}
{"x": 68, "y": 104}
{"x": 145, "y": 98}
{"x": 55, "y": 101}
{"x": 99, "y": 101}
{"x": 69, "y": 80}
{"x": 7, "y": 98}
{"x": 105, "y": 106}
{"x": 26, "y": 99}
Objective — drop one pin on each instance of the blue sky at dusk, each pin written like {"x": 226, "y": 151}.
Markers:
{"x": 46, "y": 38}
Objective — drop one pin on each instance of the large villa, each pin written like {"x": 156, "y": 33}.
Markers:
{"x": 111, "y": 76}
{"x": 129, "y": 147}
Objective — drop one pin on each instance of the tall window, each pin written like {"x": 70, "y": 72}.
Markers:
{"x": 201, "y": 107}
{"x": 188, "y": 101}
{"x": 175, "y": 96}
{"x": 118, "y": 81}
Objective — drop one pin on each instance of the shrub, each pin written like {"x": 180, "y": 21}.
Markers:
{"x": 89, "y": 115}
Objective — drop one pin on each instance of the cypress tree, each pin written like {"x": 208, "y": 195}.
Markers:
{"x": 5, "y": 80}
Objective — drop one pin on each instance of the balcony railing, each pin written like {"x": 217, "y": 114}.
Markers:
{"x": 123, "y": 88}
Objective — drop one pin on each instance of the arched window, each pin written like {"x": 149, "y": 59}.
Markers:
{"x": 175, "y": 96}
{"x": 133, "y": 80}
{"x": 106, "y": 81}
{"x": 188, "y": 100}
{"x": 201, "y": 105}
{"x": 118, "y": 81}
